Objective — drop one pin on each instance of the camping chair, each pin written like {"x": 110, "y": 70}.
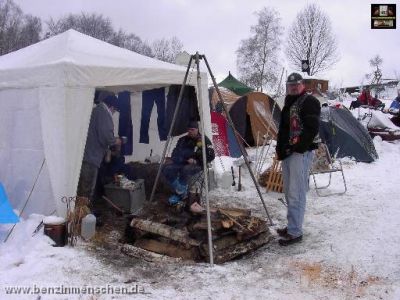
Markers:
{"x": 196, "y": 183}
{"x": 323, "y": 163}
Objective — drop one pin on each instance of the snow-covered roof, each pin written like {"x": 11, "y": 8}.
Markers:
{"x": 73, "y": 58}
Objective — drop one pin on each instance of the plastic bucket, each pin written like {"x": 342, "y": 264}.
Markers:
{"x": 56, "y": 229}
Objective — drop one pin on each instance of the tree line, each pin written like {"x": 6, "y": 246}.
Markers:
{"x": 18, "y": 30}
{"x": 310, "y": 37}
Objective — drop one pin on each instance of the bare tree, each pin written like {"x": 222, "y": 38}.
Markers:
{"x": 16, "y": 29}
{"x": 310, "y": 37}
{"x": 99, "y": 27}
{"x": 376, "y": 61}
{"x": 131, "y": 42}
{"x": 167, "y": 49}
{"x": 30, "y": 31}
{"x": 95, "y": 25}
{"x": 257, "y": 56}
{"x": 376, "y": 74}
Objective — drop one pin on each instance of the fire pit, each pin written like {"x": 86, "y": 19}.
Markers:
{"x": 181, "y": 234}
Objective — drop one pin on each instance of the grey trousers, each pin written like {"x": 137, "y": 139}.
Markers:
{"x": 87, "y": 180}
{"x": 296, "y": 172}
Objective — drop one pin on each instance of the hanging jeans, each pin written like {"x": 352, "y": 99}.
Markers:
{"x": 150, "y": 97}
{"x": 296, "y": 173}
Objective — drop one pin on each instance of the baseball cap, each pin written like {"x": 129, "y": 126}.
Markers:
{"x": 294, "y": 78}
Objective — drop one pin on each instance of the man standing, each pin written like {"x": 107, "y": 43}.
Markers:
{"x": 100, "y": 137}
{"x": 297, "y": 138}
{"x": 187, "y": 160}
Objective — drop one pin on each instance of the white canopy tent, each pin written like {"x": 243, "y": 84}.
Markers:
{"x": 46, "y": 98}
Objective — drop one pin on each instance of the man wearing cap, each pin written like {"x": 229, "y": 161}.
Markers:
{"x": 100, "y": 136}
{"x": 297, "y": 138}
{"x": 187, "y": 160}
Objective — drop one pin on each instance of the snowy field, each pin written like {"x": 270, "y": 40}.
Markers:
{"x": 350, "y": 250}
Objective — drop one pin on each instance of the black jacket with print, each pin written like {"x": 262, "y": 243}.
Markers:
{"x": 310, "y": 110}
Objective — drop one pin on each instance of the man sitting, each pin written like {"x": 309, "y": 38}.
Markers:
{"x": 186, "y": 160}
{"x": 366, "y": 99}
{"x": 395, "y": 109}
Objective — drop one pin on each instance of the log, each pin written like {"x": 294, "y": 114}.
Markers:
{"x": 239, "y": 249}
{"x": 165, "y": 231}
{"x": 235, "y": 212}
{"x": 167, "y": 248}
{"x": 140, "y": 253}
{"x": 220, "y": 243}
{"x": 254, "y": 227}
{"x": 202, "y": 225}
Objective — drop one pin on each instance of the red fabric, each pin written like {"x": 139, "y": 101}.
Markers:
{"x": 366, "y": 99}
{"x": 219, "y": 135}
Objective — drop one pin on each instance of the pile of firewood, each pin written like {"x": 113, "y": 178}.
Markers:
{"x": 234, "y": 232}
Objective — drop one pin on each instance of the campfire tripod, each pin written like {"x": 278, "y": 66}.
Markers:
{"x": 197, "y": 58}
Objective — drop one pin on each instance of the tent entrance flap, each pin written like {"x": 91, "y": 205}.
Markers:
{"x": 249, "y": 132}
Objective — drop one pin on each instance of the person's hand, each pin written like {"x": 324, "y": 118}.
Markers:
{"x": 192, "y": 161}
{"x": 118, "y": 141}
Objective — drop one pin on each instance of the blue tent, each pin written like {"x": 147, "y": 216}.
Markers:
{"x": 7, "y": 214}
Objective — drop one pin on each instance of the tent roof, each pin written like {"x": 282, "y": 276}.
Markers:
{"x": 235, "y": 85}
{"x": 72, "y": 58}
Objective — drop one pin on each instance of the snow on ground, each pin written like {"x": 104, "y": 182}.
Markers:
{"x": 350, "y": 249}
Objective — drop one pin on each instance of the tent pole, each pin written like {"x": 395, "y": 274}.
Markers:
{"x": 178, "y": 104}
{"x": 241, "y": 147}
{"x": 205, "y": 168}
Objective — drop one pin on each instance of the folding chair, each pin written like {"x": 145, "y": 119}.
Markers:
{"x": 323, "y": 163}
{"x": 196, "y": 183}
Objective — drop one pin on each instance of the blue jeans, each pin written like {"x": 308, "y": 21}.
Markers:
{"x": 182, "y": 172}
{"x": 149, "y": 98}
{"x": 296, "y": 173}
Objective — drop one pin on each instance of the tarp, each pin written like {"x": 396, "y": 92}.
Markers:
{"x": 7, "y": 214}
{"x": 46, "y": 98}
{"x": 345, "y": 136}
{"x": 235, "y": 85}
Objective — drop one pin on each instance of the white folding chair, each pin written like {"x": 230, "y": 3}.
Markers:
{"x": 323, "y": 163}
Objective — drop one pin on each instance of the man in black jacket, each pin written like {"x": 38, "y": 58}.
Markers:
{"x": 297, "y": 138}
{"x": 187, "y": 160}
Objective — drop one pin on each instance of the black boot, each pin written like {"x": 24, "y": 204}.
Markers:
{"x": 282, "y": 231}
{"x": 289, "y": 239}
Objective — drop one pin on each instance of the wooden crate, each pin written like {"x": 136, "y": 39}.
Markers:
{"x": 274, "y": 178}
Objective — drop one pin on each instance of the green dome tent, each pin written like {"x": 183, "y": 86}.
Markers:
{"x": 235, "y": 85}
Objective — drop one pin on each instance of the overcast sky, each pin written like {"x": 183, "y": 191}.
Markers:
{"x": 216, "y": 27}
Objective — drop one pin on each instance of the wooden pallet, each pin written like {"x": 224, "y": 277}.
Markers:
{"x": 274, "y": 179}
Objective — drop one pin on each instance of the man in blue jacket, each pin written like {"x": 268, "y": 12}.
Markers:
{"x": 395, "y": 109}
{"x": 395, "y": 106}
{"x": 187, "y": 160}
{"x": 100, "y": 136}
{"x": 297, "y": 138}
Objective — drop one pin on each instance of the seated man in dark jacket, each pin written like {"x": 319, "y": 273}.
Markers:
{"x": 187, "y": 160}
